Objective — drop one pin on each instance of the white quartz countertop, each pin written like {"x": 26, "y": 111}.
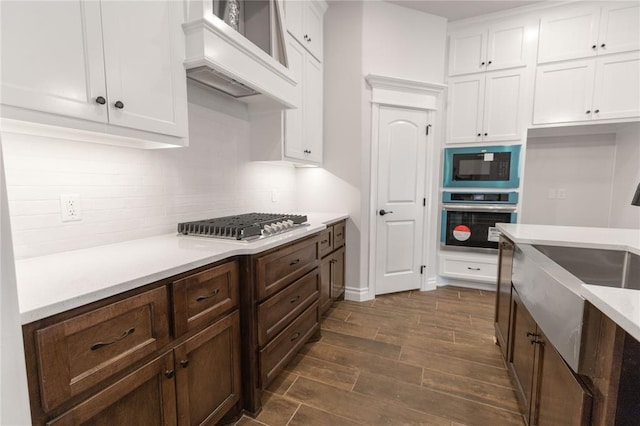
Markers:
{"x": 51, "y": 284}
{"x": 620, "y": 304}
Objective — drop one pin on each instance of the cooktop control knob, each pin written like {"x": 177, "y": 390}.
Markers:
{"x": 267, "y": 230}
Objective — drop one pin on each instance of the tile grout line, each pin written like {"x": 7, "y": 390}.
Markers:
{"x": 294, "y": 413}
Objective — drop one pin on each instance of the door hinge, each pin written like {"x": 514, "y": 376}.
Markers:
{"x": 422, "y": 268}
{"x": 428, "y": 127}
{"x": 424, "y": 202}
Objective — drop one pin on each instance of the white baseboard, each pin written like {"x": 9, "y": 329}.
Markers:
{"x": 357, "y": 294}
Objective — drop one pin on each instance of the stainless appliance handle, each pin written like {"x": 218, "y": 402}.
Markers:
{"x": 479, "y": 207}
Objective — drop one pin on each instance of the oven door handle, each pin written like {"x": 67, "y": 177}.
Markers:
{"x": 479, "y": 208}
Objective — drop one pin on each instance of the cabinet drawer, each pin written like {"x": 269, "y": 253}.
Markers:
{"x": 339, "y": 234}
{"x": 278, "y": 269}
{"x": 468, "y": 269}
{"x": 325, "y": 243}
{"x": 75, "y": 354}
{"x": 282, "y": 349}
{"x": 200, "y": 298}
{"x": 278, "y": 311}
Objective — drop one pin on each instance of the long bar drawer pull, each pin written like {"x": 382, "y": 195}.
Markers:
{"x": 472, "y": 269}
{"x": 294, "y": 262}
{"x": 295, "y": 336}
{"x": 99, "y": 345}
{"x": 213, "y": 294}
{"x": 295, "y": 299}
{"x": 324, "y": 241}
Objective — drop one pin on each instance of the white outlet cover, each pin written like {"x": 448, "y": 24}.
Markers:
{"x": 70, "y": 207}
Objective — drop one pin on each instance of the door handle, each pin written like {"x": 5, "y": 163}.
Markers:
{"x": 382, "y": 212}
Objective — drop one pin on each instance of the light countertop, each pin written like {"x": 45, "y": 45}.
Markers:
{"x": 51, "y": 284}
{"x": 621, "y": 305}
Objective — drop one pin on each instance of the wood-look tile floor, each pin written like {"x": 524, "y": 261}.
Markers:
{"x": 412, "y": 358}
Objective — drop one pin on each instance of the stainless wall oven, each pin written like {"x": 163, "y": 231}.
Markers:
{"x": 482, "y": 167}
{"x": 469, "y": 219}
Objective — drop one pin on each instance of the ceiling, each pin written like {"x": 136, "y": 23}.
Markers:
{"x": 457, "y": 9}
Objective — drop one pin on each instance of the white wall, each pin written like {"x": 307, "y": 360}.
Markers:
{"x": 130, "y": 193}
{"x": 580, "y": 165}
{"x": 626, "y": 178}
{"x": 364, "y": 37}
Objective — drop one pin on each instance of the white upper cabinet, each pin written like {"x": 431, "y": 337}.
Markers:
{"x": 293, "y": 117}
{"x": 52, "y": 58}
{"x": 118, "y": 63}
{"x": 589, "y": 30}
{"x": 304, "y": 20}
{"x": 592, "y": 89}
{"x": 497, "y": 47}
{"x": 485, "y": 107}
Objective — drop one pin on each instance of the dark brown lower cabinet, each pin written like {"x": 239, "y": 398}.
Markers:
{"x": 332, "y": 278}
{"x": 548, "y": 391}
{"x": 503, "y": 294}
{"x": 208, "y": 372}
{"x": 147, "y": 396}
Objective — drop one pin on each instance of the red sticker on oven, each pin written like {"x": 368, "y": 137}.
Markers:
{"x": 461, "y": 232}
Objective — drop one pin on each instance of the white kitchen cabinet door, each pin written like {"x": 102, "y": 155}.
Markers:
{"x": 144, "y": 51}
{"x": 563, "y": 92}
{"x": 312, "y": 110}
{"x": 52, "y": 58}
{"x": 617, "y": 87}
{"x": 294, "y": 11}
{"x": 293, "y": 117}
{"x": 467, "y": 51}
{"x": 464, "y": 110}
{"x": 619, "y": 28}
{"x": 507, "y": 46}
{"x": 313, "y": 24}
{"x": 568, "y": 34}
{"x": 502, "y": 105}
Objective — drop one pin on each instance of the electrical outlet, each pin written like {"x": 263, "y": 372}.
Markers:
{"x": 562, "y": 194}
{"x": 70, "y": 207}
{"x": 274, "y": 196}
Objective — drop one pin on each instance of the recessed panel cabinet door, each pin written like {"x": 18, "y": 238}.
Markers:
{"x": 464, "y": 114}
{"x": 467, "y": 51}
{"x": 506, "y": 47}
{"x": 502, "y": 104}
{"x": 293, "y": 117}
{"x": 568, "y": 34}
{"x": 312, "y": 109}
{"x": 313, "y": 24}
{"x": 52, "y": 58}
{"x": 619, "y": 28}
{"x": 617, "y": 87}
{"x": 144, "y": 52}
{"x": 563, "y": 92}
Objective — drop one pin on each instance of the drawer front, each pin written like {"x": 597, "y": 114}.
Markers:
{"x": 339, "y": 234}
{"x": 201, "y": 298}
{"x": 278, "y": 269}
{"x": 277, "y": 354}
{"x": 277, "y": 312}
{"x": 469, "y": 270}
{"x": 75, "y": 354}
{"x": 326, "y": 241}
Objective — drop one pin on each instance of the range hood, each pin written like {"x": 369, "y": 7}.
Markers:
{"x": 222, "y": 58}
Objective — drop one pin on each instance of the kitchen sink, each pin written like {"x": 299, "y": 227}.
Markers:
{"x": 610, "y": 268}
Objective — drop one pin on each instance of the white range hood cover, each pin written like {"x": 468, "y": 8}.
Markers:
{"x": 220, "y": 57}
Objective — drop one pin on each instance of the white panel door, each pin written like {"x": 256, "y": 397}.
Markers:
{"x": 401, "y": 179}
{"x": 569, "y": 34}
{"x": 617, "y": 87}
{"x": 619, "y": 28}
{"x": 312, "y": 109}
{"x": 52, "y": 58}
{"x": 506, "y": 47}
{"x": 144, "y": 54}
{"x": 467, "y": 51}
{"x": 293, "y": 146}
{"x": 464, "y": 108}
{"x": 502, "y": 105}
{"x": 564, "y": 92}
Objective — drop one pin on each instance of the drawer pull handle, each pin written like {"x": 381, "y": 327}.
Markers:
{"x": 324, "y": 241}
{"x": 184, "y": 363}
{"x": 339, "y": 235}
{"x": 295, "y": 299}
{"x": 536, "y": 342}
{"x": 99, "y": 345}
{"x": 472, "y": 269}
{"x": 294, "y": 262}
{"x": 295, "y": 336}
{"x": 213, "y": 294}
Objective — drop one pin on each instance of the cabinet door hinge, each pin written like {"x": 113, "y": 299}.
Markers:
{"x": 422, "y": 268}
{"x": 428, "y": 127}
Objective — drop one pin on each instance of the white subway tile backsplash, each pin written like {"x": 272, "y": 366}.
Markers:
{"x": 130, "y": 193}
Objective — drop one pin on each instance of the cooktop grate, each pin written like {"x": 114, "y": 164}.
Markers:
{"x": 243, "y": 226}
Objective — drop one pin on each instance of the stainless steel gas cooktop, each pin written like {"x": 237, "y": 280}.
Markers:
{"x": 247, "y": 226}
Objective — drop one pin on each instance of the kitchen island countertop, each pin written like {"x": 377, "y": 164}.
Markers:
{"x": 621, "y": 305}
{"x": 51, "y": 284}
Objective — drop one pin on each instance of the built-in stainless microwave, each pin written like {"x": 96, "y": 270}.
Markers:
{"x": 482, "y": 167}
